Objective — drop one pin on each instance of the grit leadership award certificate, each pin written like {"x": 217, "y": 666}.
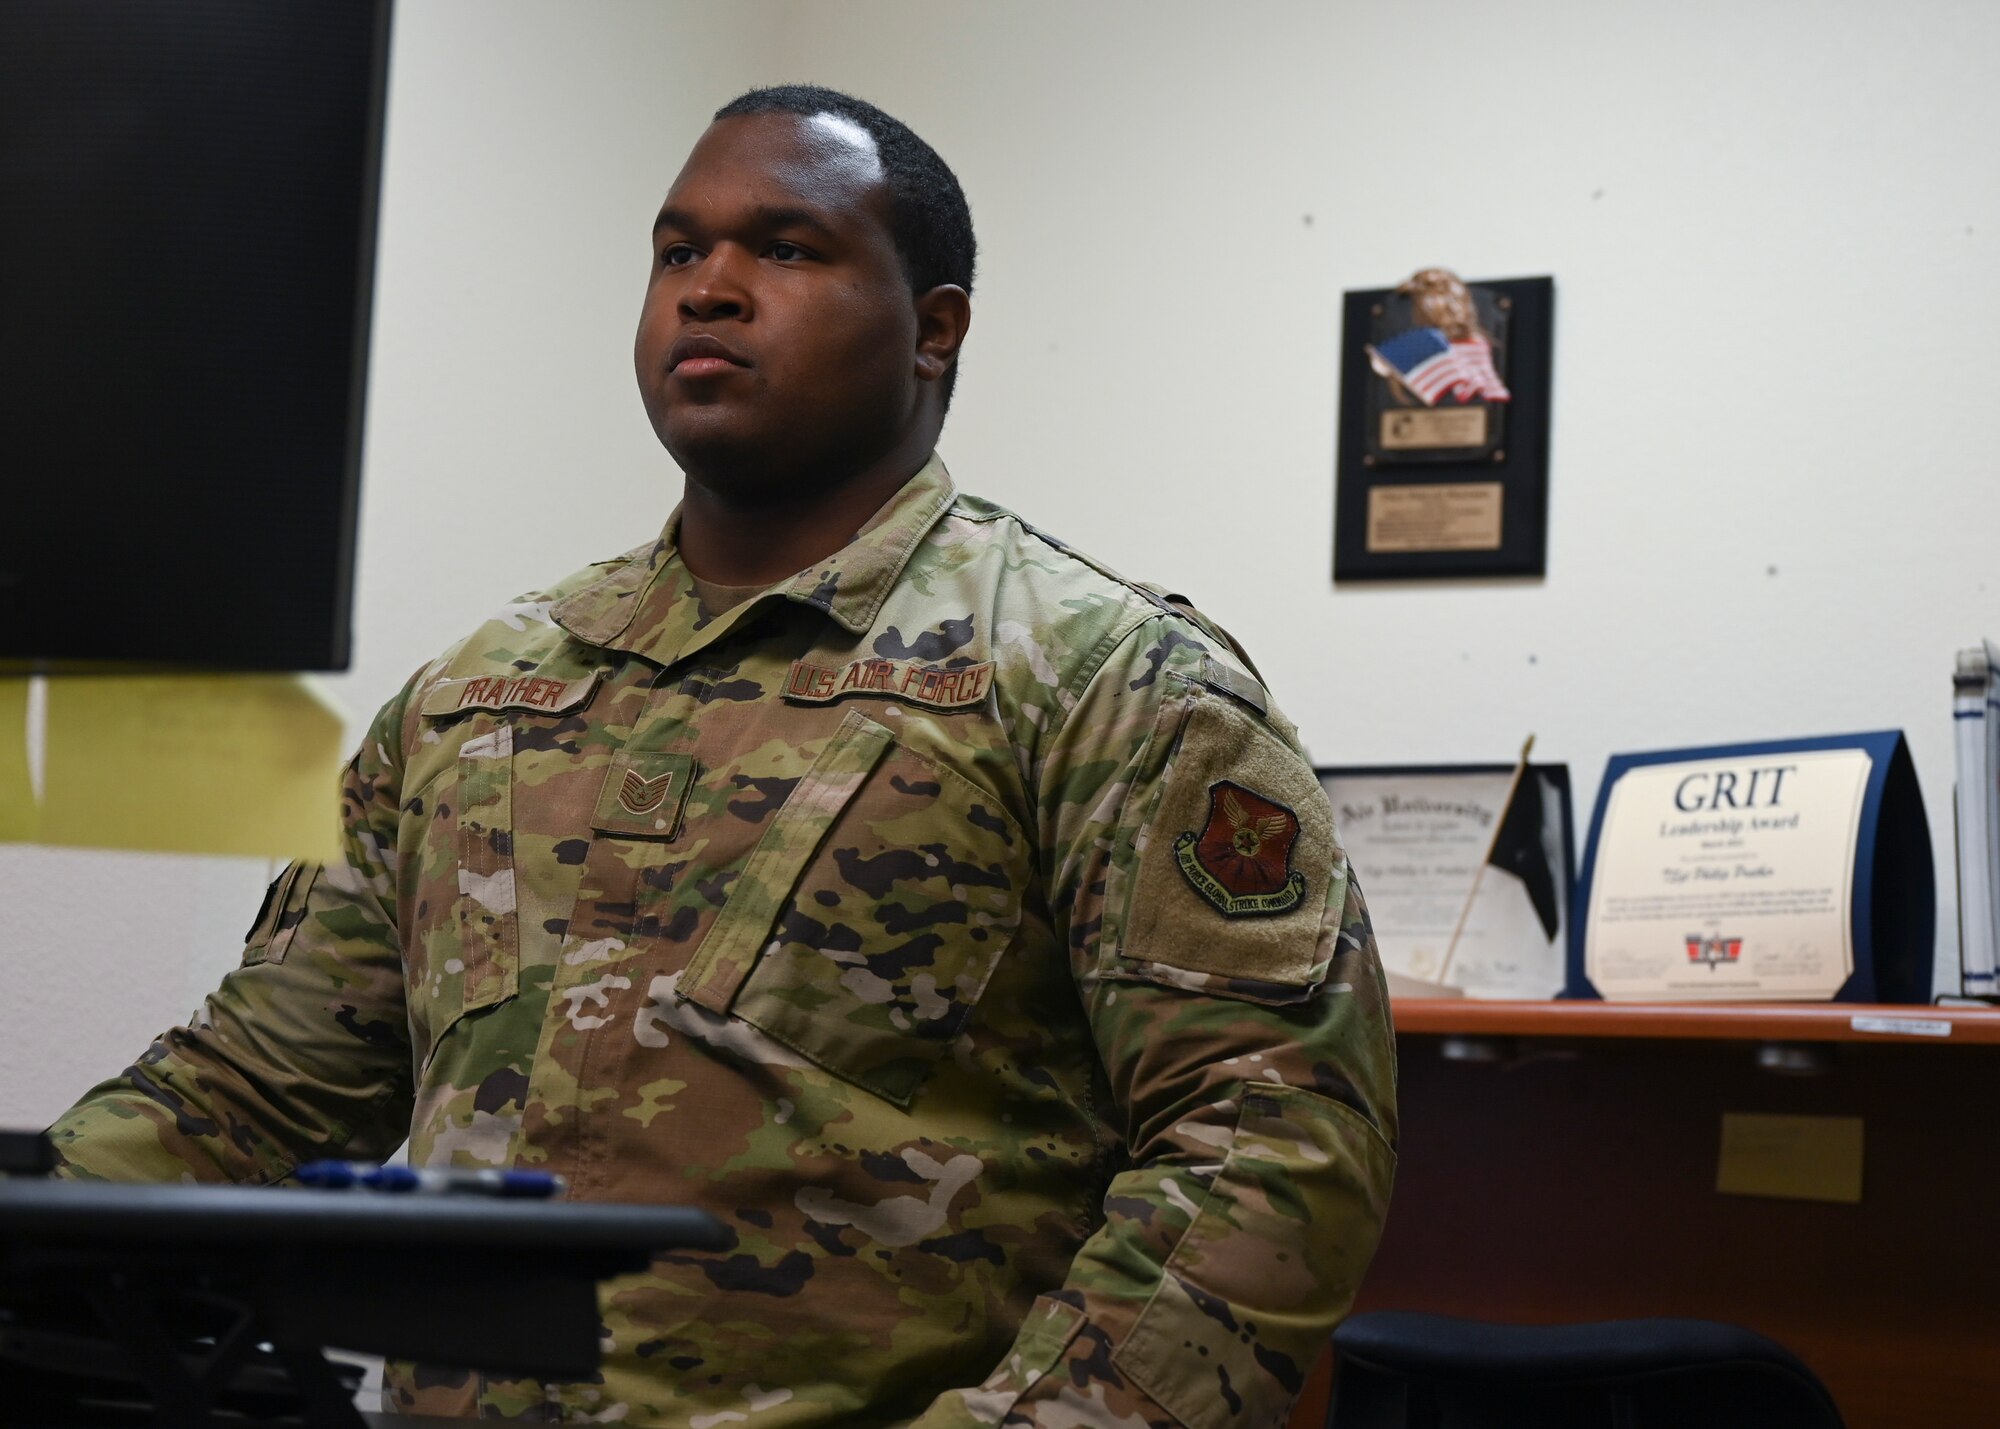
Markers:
{"x": 1728, "y": 878}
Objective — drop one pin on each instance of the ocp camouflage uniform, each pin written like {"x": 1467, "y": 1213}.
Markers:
{"x": 956, "y": 921}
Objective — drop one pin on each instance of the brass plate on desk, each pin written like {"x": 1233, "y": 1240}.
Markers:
{"x": 1791, "y": 1158}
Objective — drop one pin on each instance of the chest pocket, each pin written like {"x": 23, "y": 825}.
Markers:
{"x": 870, "y": 915}
{"x": 464, "y": 951}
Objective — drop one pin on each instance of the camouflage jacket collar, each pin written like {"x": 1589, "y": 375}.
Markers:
{"x": 646, "y": 604}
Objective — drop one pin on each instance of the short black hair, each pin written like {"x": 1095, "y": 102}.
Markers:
{"x": 929, "y": 219}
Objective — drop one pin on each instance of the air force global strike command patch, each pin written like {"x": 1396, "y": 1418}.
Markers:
{"x": 1223, "y": 881}
{"x": 1241, "y": 860}
{"x": 1233, "y": 865}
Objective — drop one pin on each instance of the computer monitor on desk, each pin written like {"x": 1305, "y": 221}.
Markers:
{"x": 124, "y": 1303}
{"x": 190, "y": 194}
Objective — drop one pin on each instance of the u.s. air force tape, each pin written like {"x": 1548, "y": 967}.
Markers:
{"x": 911, "y": 681}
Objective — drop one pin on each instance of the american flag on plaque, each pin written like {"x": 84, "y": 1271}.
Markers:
{"x": 1431, "y": 365}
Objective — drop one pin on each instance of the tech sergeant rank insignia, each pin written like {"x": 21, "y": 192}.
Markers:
{"x": 1241, "y": 861}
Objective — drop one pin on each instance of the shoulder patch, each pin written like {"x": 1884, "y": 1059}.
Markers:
{"x": 1234, "y": 861}
{"x": 1241, "y": 860}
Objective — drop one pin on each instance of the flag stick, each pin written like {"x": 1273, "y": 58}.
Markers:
{"x": 1513, "y": 787}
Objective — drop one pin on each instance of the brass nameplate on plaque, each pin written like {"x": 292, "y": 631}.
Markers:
{"x": 1433, "y": 428}
{"x": 1453, "y": 516}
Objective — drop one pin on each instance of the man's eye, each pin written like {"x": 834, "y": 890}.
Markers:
{"x": 676, "y": 255}
{"x": 787, "y": 252}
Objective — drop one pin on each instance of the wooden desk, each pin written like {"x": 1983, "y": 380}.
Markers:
{"x": 1571, "y": 1176}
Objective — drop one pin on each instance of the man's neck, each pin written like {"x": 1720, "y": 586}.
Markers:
{"x": 754, "y": 544}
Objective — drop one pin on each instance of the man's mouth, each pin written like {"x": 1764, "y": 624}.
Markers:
{"x": 699, "y": 355}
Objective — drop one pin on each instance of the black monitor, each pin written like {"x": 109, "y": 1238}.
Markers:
{"x": 187, "y": 230}
{"x": 207, "y": 1307}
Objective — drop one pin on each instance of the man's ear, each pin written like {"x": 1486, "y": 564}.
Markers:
{"x": 943, "y": 315}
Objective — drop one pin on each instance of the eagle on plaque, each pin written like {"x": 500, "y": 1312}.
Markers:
{"x": 1438, "y": 350}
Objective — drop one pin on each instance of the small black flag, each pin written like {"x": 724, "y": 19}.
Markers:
{"x": 1517, "y": 848}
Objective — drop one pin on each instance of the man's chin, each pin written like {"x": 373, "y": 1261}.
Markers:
{"x": 710, "y": 435}
{"x": 750, "y": 459}
{"x": 741, "y": 464}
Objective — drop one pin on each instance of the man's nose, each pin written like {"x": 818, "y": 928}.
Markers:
{"x": 718, "y": 286}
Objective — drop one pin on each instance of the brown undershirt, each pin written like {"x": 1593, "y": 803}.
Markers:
{"x": 721, "y": 599}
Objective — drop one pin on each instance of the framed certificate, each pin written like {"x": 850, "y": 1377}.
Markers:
{"x": 1798, "y": 870}
{"x": 1417, "y": 836}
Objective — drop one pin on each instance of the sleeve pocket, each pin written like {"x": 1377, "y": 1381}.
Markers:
{"x": 278, "y": 920}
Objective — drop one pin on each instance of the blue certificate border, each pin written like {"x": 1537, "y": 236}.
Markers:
{"x": 1913, "y": 897}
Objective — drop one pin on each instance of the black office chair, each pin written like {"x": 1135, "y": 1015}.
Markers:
{"x": 1403, "y": 1370}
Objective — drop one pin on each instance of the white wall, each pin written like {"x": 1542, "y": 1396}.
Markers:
{"x": 1772, "y": 229}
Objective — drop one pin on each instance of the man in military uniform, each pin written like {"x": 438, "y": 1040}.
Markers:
{"x": 955, "y": 919}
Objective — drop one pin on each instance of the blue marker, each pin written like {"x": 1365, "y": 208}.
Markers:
{"x": 406, "y": 1180}
{"x": 329, "y": 1175}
